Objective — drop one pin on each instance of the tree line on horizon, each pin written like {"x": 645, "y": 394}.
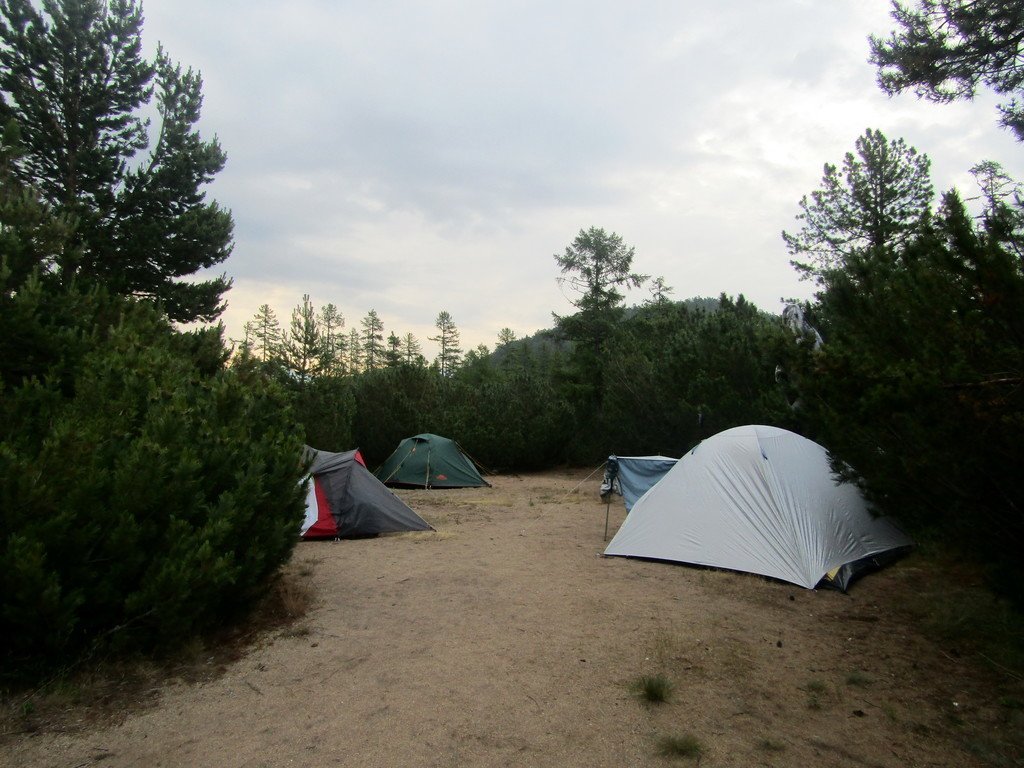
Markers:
{"x": 534, "y": 402}
{"x": 151, "y": 482}
{"x": 317, "y": 343}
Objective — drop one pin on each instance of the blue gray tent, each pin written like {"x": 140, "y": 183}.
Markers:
{"x": 632, "y": 476}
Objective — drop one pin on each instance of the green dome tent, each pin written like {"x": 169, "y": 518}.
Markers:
{"x": 429, "y": 461}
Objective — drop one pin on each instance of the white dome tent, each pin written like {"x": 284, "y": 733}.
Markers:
{"x": 762, "y": 500}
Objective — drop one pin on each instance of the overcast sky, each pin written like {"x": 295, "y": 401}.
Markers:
{"x": 413, "y": 157}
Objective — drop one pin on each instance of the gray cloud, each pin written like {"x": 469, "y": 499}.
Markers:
{"x": 418, "y": 157}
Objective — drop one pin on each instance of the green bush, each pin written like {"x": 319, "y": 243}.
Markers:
{"x": 918, "y": 386}
{"x": 146, "y": 493}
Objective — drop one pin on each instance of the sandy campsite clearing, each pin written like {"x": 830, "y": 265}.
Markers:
{"x": 505, "y": 639}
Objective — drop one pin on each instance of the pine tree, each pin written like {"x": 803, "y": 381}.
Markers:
{"x": 412, "y": 350}
{"x": 183, "y": 499}
{"x": 372, "y": 340}
{"x": 943, "y": 50}
{"x": 879, "y": 201}
{"x": 243, "y": 349}
{"x": 267, "y": 335}
{"x": 303, "y": 345}
{"x": 332, "y": 324}
{"x": 505, "y": 337}
{"x": 659, "y": 291}
{"x": 393, "y": 353}
{"x": 448, "y": 339}
{"x": 594, "y": 267}
{"x": 74, "y": 79}
{"x": 355, "y": 351}
{"x": 476, "y": 368}
{"x": 32, "y": 236}
{"x": 918, "y": 387}
{"x": 1003, "y": 199}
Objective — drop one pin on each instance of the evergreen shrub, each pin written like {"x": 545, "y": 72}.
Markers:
{"x": 146, "y": 492}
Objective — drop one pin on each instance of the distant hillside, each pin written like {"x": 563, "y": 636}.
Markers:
{"x": 695, "y": 304}
{"x": 541, "y": 343}
{"x": 548, "y": 341}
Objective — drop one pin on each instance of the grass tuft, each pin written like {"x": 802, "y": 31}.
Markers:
{"x": 816, "y": 686}
{"x": 858, "y": 679}
{"x": 770, "y": 745}
{"x": 654, "y": 689}
{"x": 687, "y": 745}
{"x": 815, "y": 690}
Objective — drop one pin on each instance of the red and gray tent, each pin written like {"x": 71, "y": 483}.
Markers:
{"x": 346, "y": 500}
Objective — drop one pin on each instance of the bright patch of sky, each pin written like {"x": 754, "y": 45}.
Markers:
{"x": 418, "y": 157}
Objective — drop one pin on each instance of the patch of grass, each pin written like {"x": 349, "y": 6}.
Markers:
{"x": 815, "y": 690}
{"x": 954, "y": 718}
{"x": 770, "y": 745}
{"x": 979, "y": 622}
{"x": 920, "y": 729}
{"x": 74, "y": 701}
{"x": 990, "y": 751}
{"x": 1011, "y": 702}
{"x": 288, "y": 600}
{"x": 858, "y": 679}
{"x": 968, "y": 619}
{"x": 192, "y": 652}
{"x": 105, "y": 691}
{"x": 654, "y": 689}
{"x": 687, "y": 745}
{"x": 816, "y": 686}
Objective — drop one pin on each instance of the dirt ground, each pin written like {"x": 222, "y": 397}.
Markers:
{"x": 506, "y": 639}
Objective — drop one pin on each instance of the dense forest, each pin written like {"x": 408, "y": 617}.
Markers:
{"x": 659, "y": 378}
{"x": 151, "y": 478}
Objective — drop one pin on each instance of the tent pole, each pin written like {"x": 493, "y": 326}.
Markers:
{"x": 607, "y": 509}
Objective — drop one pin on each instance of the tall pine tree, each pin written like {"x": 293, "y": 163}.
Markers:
{"x": 303, "y": 344}
{"x": 878, "y": 201}
{"x": 332, "y": 325}
{"x": 919, "y": 386}
{"x": 266, "y": 335}
{"x": 74, "y": 79}
{"x": 412, "y": 350}
{"x": 372, "y": 340}
{"x": 447, "y": 338}
{"x": 594, "y": 267}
